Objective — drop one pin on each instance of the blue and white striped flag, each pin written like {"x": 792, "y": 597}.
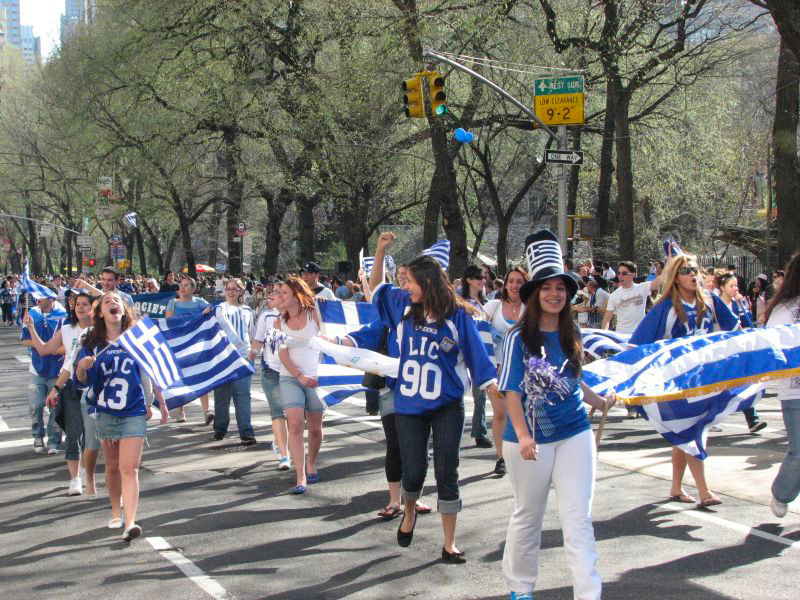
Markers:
{"x": 366, "y": 264}
{"x": 185, "y": 358}
{"x": 686, "y": 385}
{"x": 130, "y": 219}
{"x": 485, "y": 331}
{"x": 602, "y": 342}
{"x": 337, "y": 382}
{"x": 37, "y": 290}
{"x": 441, "y": 252}
{"x": 671, "y": 248}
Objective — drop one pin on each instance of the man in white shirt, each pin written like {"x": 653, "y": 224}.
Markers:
{"x": 60, "y": 289}
{"x": 628, "y": 303}
{"x": 310, "y": 274}
{"x": 608, "y": 273}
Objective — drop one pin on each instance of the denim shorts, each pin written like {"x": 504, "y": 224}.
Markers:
{"x": 294, "y": 395}
{"x": 270, "y": 383}
{"x": 113, "y": 427}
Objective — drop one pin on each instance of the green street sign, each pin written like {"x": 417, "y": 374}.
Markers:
{"x": 558, "y": 85}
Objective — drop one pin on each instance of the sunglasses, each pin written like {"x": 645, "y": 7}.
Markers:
{"x": 623, "y": 273}
{"x": 687, "y": 271}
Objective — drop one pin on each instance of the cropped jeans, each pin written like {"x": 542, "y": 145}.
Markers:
{"x": 39, "y": 387}
{"x": 786, "y": 486}
{"x": 413, "y": 432}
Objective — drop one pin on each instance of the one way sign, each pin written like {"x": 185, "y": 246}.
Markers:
{"x": 563, "y": 157}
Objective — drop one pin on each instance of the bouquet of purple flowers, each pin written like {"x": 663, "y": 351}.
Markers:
{"x": 541, "y": 380}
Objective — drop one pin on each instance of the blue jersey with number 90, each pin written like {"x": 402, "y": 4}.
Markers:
{"x": 114, "y": 382}
{"x": 435, "y": 360}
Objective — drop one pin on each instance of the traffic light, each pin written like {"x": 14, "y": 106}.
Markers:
{"x": 91, "y": 262}
{"x": 412, "y": 98}
{"x": 438, "y": 95}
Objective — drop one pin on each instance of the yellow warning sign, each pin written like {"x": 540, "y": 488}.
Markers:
{"x": 560, "y": 109}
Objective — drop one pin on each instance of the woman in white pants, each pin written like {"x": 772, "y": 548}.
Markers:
{"x": 557, "y": 448}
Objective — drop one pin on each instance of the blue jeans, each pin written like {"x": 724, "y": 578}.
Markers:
{"x": 270, "y": 383}
{"x": 239, "y": 391}
{"x": 479, "y": 413}
{"x": 73, "y": 421}
{"x": 786, "y": 486}
{"x": 39, "y": 387}
{"x": 413, "y": 431}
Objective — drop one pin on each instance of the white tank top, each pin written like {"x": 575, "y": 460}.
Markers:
{"x": 301, "y": 353}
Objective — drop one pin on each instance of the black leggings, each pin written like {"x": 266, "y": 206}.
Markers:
{"x": 7, "y": 318}
{"x": 394, "y": 464}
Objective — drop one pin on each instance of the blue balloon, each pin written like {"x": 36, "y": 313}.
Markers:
{"x": 470, "y": 136}
{"x": 461, "y": 135}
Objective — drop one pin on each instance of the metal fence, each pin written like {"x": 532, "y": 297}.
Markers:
{"x": 747, "y": 266}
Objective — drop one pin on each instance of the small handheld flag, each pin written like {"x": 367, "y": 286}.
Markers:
{"x": 441, "y": 252}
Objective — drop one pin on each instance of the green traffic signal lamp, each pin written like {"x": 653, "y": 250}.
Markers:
{"x": 438, "y": 95}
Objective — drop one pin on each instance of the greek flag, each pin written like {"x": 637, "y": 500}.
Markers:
{"x": 185, "y": 358}
{"x": 485, "y": 331}
{"x": 441, "y": 252}
{"x": 686, "y": 385}
{"x": 130, "y": 219}
{"x": 337, "y": 382}
{"x": 37, "y": 290}
{"x": 671, "y": 248}
{"x": 599, "y": 343}
{"x": 388, "y": 264}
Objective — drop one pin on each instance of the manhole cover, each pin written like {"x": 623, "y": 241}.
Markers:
{"x": 239, "y": 448}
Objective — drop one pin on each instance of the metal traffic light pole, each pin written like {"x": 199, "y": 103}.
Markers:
{"x": 560, "y": 138}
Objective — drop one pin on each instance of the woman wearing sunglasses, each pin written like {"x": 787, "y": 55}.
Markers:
{"x": 684, "y": 309}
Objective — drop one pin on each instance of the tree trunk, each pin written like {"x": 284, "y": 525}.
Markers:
{"x": 445, "y": 187}
{"x": 155, "y": 245}
{"x": 33, "y": 246}
{"x": 622, "y": 134}
{"x": 430, "y": 230}
{"x": 231, "y": 159}
{"x": 48, "y": 256}
{"x": 305, "y": 227}
{"x": 142, "y": 253}
{"x": 276, "y": 210}
{"x": 502, "y": 243}
{"x": 213, "y": 247}
{"x": 784, "y": 147}
{"x": 606, "y": 174}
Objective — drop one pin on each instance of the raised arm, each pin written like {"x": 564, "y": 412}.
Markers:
{"x": 376, "y": 277}
{"x": 51, "y": 346}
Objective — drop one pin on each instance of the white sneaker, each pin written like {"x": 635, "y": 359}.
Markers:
{"x": 38, "y": 446}
{"x": 716, "y": 428}
{"x": 283, "y": 463}
{"x": 75, "y": 487}
{"x": 778, "y": 508}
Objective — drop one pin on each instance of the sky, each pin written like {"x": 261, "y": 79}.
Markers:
{"x": 45, "y": 16}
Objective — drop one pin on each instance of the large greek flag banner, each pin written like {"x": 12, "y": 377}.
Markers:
{"x": 338, "y": 382}
{"x": 599, "y": 343}
{"x": 686, "y": 385}
{"x": 185, "y": 358}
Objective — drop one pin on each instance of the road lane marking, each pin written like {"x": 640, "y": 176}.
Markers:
{"x": 704, "y": 516}
{"x": 16, "y": 443}
{"x": 188, "y": 568}
{"x": 26, "y": 360}
{"x": 3, "y": 425}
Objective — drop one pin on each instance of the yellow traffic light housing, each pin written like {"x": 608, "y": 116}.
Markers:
{"x": 438, "y": 95}
{"x": 413, "y": 99}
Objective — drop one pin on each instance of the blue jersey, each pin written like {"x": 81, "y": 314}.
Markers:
{"x": 434, "y": 359}
{"x": 662, "y": 322}
{"x": 370, "y": 337}
{"x": 240, "y": 321}
{"x": 179, "y": 308}
{"x": 561, "y": 416}
{"x": 46, "y": 326}
{"x": 114, "y": 383}
{"x": 741, "y": 312}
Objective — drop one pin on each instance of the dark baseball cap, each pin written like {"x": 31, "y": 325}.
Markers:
{"x": 311, "y": 267}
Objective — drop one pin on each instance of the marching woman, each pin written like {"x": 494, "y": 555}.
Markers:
{"x": 299, "y": 322}
{"x": 81, "y": 440}
{"x": 784, "y": 309}
{"x": 683, "y": 310}
{"x": 438, "y": 342}
{"x": 503, "y": 313}
{"x": 728, "y": 287}
{"x": 187, "y": 304}
{"x": 238, "y": 318}
{"x": 548, "y": 439}
{"x": 117, "y": 389}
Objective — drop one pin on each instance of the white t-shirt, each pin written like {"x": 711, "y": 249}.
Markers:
{"x": 266, "y": 321}
{"x": 500, "y": 325}
{"x": 325, "y": 293}
{"x": 787, "y": 313}
{"x": 70, "y": 338}
{"x": 629, "y": 305}
{"x": 609, "y": 274}
{"x": 305, "y": 358}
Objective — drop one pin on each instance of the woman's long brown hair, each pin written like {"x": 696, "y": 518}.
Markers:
{"x": 571, "y": 341}
{"x": 790, "y": 288}
{"x": 302, "y": 292}
{"x": 97, "y": 336}
{"x": 669, "y": 286}
{"x": 438, "y": 295}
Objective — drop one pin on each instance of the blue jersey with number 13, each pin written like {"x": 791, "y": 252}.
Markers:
{"x": 115, "y": 384}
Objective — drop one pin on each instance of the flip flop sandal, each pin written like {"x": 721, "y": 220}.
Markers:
{"x": 710, "y": 501}
{"x": 312, "y": 477}
{"x": 683, "y": 499}
{"x": 422, "y": 509}
{"x": 390, "y": 512}
{"x": 298, "y": 489}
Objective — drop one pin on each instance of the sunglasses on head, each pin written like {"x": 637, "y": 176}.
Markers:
{"x": 687, "y": 271}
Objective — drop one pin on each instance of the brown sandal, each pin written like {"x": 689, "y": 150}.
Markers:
{"x": 710, "y": 501}
{"x": 683, "y": 498}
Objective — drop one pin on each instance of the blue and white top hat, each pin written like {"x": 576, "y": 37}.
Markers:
{"x": 544, "y": 260}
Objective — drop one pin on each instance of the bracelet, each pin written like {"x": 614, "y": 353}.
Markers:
{"x": 57, "y": 387}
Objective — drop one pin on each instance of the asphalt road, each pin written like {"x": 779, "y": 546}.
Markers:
{"x": 219, "y": 521}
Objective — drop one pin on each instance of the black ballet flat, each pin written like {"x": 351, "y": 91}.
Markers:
{"x": 403, "y": 538}
{"x": 453, "y": 558}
